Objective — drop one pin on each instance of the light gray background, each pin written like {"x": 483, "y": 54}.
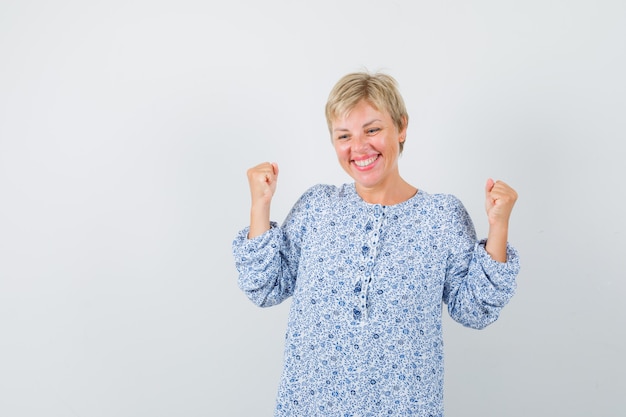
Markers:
{"x": 126, "y": 128}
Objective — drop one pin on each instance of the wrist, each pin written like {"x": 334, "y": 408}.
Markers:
{"x": 496, "y": 243}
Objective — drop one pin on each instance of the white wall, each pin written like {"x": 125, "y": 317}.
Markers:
{"x": 126, "y": 128}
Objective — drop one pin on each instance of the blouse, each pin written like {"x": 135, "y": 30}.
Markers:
{"x": 368, "y": 283}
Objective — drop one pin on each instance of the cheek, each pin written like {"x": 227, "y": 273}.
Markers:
{"x": 392, "y": 142}
{"x": 341, "y": 149}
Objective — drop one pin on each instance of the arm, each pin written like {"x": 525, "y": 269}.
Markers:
{"x": 266, "y": 255}
{"x": 262, "y": 179}
{"x": 267, "y": 265}
{"x": 476, "y": 286}
{"x": 499, "y": 201}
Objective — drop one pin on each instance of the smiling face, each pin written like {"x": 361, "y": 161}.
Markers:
{"x": 367, "y": 143}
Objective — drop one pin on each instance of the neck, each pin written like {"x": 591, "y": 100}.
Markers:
{"x": 387, "y": 194}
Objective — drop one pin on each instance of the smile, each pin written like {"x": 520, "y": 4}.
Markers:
{"x": 365, "y": 162}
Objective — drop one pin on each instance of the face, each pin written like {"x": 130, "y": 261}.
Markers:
{"x": 367, "y": 143}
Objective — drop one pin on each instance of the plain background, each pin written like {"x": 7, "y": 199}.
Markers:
{"x": 126, "y": 128}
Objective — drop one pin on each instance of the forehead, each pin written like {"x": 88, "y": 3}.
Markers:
{"x": 361, "y": 111}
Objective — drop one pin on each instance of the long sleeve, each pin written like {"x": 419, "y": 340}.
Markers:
{"x": 268, "y": 264}
{"x": 476, "y": 287}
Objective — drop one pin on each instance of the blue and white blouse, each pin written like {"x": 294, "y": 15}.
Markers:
{"x": 368, "y": 281}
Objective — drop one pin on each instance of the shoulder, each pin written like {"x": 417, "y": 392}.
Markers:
{"x": 442, "y": 210}
{"x": 325, "y": 194}
{"x": 446, "y": 213}
{"x": 321, "y": 199}
{"x": 441, "y": 202}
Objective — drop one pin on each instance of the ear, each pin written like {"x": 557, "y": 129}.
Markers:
{"x": 405, "y": 124}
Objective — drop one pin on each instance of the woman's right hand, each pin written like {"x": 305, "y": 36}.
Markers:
{"x": 262, "y": 179}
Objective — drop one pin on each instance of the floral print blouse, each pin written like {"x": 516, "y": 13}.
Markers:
{"x": 368, "y": 283}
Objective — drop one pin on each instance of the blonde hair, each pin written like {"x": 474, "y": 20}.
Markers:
{"x": 378, "y": 89}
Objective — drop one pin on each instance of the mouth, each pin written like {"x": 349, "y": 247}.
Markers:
{"x": 363, "y": 163}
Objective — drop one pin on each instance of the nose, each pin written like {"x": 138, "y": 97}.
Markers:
{"x": 360, "y": 142}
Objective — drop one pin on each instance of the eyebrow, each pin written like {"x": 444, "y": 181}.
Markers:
{"x": 343, "y": 129}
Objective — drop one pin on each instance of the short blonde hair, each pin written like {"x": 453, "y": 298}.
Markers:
{"x": 378, "y": 89}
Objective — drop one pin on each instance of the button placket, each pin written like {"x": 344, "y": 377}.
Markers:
{"x": 373, "y": 239}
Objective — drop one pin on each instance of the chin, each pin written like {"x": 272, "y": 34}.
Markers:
{"x": 366, "y": 183}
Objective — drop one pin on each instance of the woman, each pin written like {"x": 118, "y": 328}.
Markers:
{"x": 369, "y": 265}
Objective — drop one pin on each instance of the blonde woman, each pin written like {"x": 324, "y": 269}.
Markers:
{"x": 369, "y": 265}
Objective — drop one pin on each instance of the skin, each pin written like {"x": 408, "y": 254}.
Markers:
{"x": 366, "y": 142}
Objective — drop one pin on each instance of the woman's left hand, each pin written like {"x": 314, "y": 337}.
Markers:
{"x": 499, "y": 201}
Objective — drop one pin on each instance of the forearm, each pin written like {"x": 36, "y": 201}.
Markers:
{"x": 259, "y": 220}
{"x": 500, "y": 198}
{"x": 476, "y": 293}
{"x": 265, "y": 276}
{"x": 497, "y": 239}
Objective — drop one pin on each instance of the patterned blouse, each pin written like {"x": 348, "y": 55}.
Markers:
{"x": 368, "y": 283}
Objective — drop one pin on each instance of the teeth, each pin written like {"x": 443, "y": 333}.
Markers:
{"x": 366, "y": 162}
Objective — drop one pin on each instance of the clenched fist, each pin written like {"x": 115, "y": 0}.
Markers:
{"x": 499, "y": 201}
{"x": 262, "y": 179}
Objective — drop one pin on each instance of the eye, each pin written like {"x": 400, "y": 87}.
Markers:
{"x": 343, "y": 137}
{"x": 373, "y": 130}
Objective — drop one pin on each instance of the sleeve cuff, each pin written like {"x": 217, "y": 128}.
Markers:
{"x": 494, "y": 268}
{"x": 243, "y": 245}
